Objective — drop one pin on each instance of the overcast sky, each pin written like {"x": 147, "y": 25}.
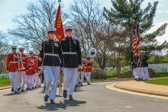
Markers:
{"x": 11, "y": 8}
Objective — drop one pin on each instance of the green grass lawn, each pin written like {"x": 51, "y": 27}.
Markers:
{"x": 5, "y": 72}
{"x": 158, "y": 81}
{"x": 111, "y": 72}
{"x": 162, "y": 74}
{"x": 4, "y": 82}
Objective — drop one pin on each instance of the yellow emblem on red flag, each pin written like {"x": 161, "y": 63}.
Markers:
{"x": 58, "y": 25}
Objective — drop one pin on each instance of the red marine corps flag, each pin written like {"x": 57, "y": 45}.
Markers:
{"x": 58, "y": 25}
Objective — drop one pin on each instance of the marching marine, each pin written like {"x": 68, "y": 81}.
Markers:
{"x": 88, "y": 71}
{"x": 51, "y": 57}
{"x": 12, "y": 67}
{"x": 30, "y": 71}
{"x": 22, "y": 66}
{"x": 72, "y": 59}
{"x": 82, "y": 71}
{"x": 36, "y": 77}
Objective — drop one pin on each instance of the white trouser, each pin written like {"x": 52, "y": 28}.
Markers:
{"x": 82, "y": 73}
{"x": 77, "y": 78}
{"x": 36, "y": 79}
{"x": 145, "y": 73}
{"x": 33, "y": 80}
{"x": 39, "y": 82}
{"x": 69, "y": 79}
{"x": 134, "y": 71}
{"x": 51, "y": 76}
{"x": 14, "y": 80}
{"x": 29, "y": 79}
{"x": 19, "y": 76}
{"x": 88, "y": 75}
{"x": 136, "y": 74}
{"x": 23, "y": 77}
{"x": 139, "y": 72}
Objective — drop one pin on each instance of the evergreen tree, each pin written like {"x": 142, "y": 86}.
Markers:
{"x": 129, "y": 12}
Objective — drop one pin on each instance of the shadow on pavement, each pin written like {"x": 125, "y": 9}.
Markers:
{"x": 59, "y": 96}
{"x": 12, "y": 94}
{"x": 61, "y": 105}
{"x": 78, "y": 90}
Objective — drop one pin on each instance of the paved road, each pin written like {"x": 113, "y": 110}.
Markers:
{"x": 94, "y": 98}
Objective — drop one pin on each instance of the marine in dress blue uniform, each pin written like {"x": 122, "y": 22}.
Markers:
{"x": 72, "y": 59}
{"x": 51, "y": 57}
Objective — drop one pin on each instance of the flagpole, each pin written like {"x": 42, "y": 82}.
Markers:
{"x": 60, "y": 74}
{"x": 59, "y": 1}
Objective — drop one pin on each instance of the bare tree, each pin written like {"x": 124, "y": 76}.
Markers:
{"x": 4, "y": 49}
{"x": 91, "y": 29}
{"x": 121, "y": 46}
{"x": 33, "y": 25}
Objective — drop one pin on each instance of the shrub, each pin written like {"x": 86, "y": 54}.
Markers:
{"x": 99, "y": 74}
{"x": 152, "y": 73}
{"x": 128, "y": 74}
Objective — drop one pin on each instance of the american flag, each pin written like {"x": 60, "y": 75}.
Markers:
{"x": 136, "y": 40}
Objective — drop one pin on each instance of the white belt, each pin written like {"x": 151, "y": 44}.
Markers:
{"x": 20, "y": 69}
{"x": 69, "y": 53}
{"x": 50, "y": 54}
{"x": 13, "y": 62}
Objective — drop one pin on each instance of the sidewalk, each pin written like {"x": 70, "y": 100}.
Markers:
{"x": 7, "y": 87}
{"x": 142, "y": 87}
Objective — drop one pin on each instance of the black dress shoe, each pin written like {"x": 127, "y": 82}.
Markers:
{"x": 15, "y": 92}
{"x": 65, "y": 94}
{"x": 46, "y": 98}
{"x": 44, "y": 88}
{"x": 52, "y": 101}
{"x": 27, "y": 88}
{"x": 75, "y": 89}
{"x": 70, "y": 97}
{"x": 12, "y": 90}
{"x": 18, "y": 89}
{"x": 22, "y": 90}
{"x": 79, "y": 82}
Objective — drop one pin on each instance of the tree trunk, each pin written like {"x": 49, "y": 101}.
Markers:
{"x": 118, "y": 67}
{"x": 1, "y": 64}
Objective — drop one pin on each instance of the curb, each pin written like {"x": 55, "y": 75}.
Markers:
{"x": 145, "y": 91}
{"x": 7, "y": 87}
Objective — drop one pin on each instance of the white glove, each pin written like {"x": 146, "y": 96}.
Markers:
{"x": 79, "y": 67}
